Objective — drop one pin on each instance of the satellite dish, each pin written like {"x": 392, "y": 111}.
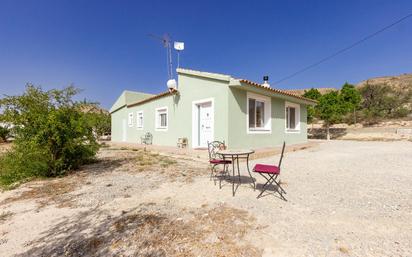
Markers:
{"x": 179, "y": 46}
{"x": 171, "y": 84}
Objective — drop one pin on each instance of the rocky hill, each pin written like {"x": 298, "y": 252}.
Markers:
{"x": 401, "y": 82}
{"x": 322, "y": 90}
{"x": 398, "y": 82}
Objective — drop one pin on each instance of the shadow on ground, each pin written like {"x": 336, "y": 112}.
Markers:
{"x": 148, "y": 230}
{"x": 320, "y": 133}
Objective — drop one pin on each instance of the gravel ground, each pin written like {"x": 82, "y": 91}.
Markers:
{"x": 344, "y": 198}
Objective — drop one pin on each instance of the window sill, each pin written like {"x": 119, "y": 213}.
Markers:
{"x": 259, "y": 131}
{"x": 292, "y": 131}
{"x": 139, "y": 128}
{"x": 161, "y": 129}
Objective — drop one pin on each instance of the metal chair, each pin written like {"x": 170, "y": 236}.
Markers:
{"x": 270, "y": 173}
{"x": 215, "y": 159}
{"x": 147, "y": 139}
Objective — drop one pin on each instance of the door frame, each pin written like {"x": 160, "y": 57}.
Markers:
{"x": 195, "y": 120}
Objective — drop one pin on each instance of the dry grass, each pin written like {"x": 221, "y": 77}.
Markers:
{"x": 4, "y": 147}
{"x": 151, "y": 230}
{"x": 165, "y": 166}
{"x": 343, "y": 249}
{"x": 5, "y": 216}
{"x": 48, "y": 192}
{"x": 155, "y": 232}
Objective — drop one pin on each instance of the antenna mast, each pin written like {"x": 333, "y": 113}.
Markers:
{"x": 178, "y": 46}
{"x": 166, "y": 44}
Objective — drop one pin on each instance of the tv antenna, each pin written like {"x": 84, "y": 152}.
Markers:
{"x": 178, "y": 46}
{"x": 165, "y": 39}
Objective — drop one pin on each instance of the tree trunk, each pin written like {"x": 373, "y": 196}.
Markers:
{"x": 354, "y": 115}
{"x": 327, "y": 132}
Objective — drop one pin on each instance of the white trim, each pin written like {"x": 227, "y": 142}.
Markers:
{"x": 157, "y": 125}
{"x": 130, "y": 121}
{"x": 297, "y": 117}
{"x": 137, "y": 120}
{"x": 195, "y": 119}
{"x": 268, "y": 114}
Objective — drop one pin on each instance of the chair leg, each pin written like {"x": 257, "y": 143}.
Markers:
{"x": 264, "y": 187}
{"x": 220, "y": 177}
{"x": 270, "y": 180}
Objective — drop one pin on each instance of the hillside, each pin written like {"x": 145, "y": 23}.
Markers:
{"x": 322, "y": 90}
{"x": 398, "y": 82}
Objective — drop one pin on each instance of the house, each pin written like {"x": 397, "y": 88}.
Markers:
{"x": 208, "y": 106}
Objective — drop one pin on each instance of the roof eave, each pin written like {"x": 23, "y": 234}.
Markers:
{"x": 278, "y": 92}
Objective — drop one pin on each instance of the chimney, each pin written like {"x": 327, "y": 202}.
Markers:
{"x": 266, "y": 81}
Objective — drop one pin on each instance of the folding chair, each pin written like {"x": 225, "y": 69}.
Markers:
{"x": 215, "y": 159}
{"x": 270, "y": 173}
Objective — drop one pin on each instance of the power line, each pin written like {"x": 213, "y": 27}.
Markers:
{"x": 344, "y": 49}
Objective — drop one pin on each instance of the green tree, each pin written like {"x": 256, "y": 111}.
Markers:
{"x": 100, "y": 122}
{"x": 51, "y": 135}
{"x": 350, "y": 99}
{"x": 314, "y": 94}
{"x": 330, "y": 110}
{"x": 383, "y": 101}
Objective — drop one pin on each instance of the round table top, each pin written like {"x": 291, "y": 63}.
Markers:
{"x": 235, "y": 151}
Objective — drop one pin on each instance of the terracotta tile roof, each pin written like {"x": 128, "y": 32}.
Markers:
{"x": 278, "y": 91}
{"x": 169, "y": 92}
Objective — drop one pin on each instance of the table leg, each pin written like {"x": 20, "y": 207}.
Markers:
{"x": 248, "y": 170}
{"x": 233, "y": 172}
{"x": 238, "y": 170}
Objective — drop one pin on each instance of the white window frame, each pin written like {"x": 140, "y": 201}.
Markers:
{"x": 159, "y": 111}
{"x": 139, "y": 126}
{"x": 267, "y": 129}
{"x": 297, "y": 117}
{"x": 130, "y": 119}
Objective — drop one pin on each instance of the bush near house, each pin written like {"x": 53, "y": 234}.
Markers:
{"x": 52, "y": 136}
{"x": 4, "y": 133}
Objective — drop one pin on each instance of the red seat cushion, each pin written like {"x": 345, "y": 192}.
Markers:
{"x": 220, "y": 161}
{"x": 263, "y": 168}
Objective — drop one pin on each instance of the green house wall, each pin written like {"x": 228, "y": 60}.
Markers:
{"x": 229, "y": 104}
{"x": 179, "y": 106}
{"x": 238, "y": 136}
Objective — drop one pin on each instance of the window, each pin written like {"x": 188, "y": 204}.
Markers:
{"x": 131, "y": 119}
{"x": 258, "y": 116}
{"x": 292, "y": 115}
{"x": 161, "y": 118}
{"x": 139, "y": 120}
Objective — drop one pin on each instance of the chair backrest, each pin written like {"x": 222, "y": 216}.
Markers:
{"x": 213, "y": 147}
{"x": 281, "y": 155}
{"x": 148, "y": 135}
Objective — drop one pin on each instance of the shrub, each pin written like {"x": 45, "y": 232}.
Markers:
{"x": 4, "y": 133}
{"x": 383, "y": 101}
{"x": 51, "y": 135}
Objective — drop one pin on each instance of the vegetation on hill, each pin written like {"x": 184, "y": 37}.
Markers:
{"x": 52, "y": 135}
{"x": 369, "y": 102}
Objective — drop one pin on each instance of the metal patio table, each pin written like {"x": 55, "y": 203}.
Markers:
{"x": 235, "y": 155}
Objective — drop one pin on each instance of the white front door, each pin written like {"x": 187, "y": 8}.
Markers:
{"x": 124, "y": 130}
{"x": 205, "y": 128}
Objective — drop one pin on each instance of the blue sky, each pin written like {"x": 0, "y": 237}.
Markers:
{"x": 103, "y": 47}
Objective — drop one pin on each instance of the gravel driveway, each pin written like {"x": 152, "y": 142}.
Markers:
{"x": 344, "y": 198}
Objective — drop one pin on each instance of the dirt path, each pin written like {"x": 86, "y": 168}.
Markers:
{"x": 344, "y": 198}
